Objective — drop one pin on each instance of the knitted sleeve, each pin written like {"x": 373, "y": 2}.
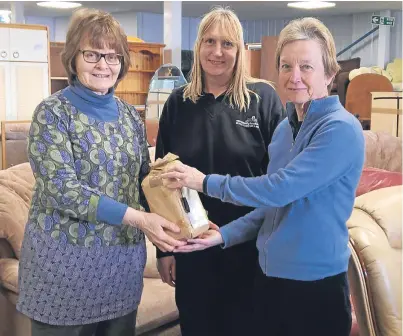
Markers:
{"x": 51, "y": 158}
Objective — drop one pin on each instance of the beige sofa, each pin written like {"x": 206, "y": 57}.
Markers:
{"x": 157, "y": 308}
{"x": 375, "y": 229}
{"x": 375, "y": 270}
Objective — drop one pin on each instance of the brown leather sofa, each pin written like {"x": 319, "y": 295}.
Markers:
{"x": 375, "y": 270}
{"x": 383, "y": 151}
{"x": 14, "y": 140}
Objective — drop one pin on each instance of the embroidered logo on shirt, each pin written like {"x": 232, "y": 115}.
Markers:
{"x": 250, "y": 122}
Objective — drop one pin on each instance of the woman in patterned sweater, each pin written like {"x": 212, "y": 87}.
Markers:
{"x": 83, "y": 255}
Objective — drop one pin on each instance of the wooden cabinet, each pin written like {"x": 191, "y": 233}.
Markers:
{"x": 268, "y": 63}
{"x": 146, "y": 58}
{"x": 4, "y": 44}
{"x": 253, "y": 61}
{"x": 5, "y": 86}
{"x": 23, "y": 45}
{"x": 24, "y": 70}
{"x": 27, "y": 95}
{"x": 18, "y": 96}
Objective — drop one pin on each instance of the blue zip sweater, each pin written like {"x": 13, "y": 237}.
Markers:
{"x": 304, "y": 201}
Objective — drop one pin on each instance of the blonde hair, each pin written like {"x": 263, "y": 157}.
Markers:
{"x": 101, "y": 30}
{"x": 310, "y": 29}
{"x": 238, "y": 93}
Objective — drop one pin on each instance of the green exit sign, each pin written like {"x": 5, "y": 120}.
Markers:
{"x": 383, "y": 20}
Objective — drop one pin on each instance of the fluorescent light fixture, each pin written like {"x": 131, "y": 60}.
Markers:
{"x": 59, "y": 4}
{"x": 311, "y": 4}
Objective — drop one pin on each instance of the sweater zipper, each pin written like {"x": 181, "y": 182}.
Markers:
{"x": 299, "y": 131}
{"x": 275, "y": 214}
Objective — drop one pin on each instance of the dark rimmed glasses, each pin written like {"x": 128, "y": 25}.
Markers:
{"x": 91, "y": 56}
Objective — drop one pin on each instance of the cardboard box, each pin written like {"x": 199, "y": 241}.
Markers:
{"x": 182, "y": 207}
{"x": 386, "y": 113}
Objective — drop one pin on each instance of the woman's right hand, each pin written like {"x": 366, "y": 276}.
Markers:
{"x": 153, "y": 227}
{"x": 167, "y": 269}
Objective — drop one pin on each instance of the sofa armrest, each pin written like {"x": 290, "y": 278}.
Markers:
{"x": 9, "y": 274}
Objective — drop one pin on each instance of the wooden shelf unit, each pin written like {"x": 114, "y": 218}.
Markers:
{"x": 146, "y": 59}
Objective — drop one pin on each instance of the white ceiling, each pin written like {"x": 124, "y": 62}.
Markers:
{"x": 246, "y": 10}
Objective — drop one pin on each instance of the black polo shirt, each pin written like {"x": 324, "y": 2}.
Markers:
{"x": 216, "y": 138}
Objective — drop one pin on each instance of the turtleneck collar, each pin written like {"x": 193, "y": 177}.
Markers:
{"x": 99, "y": 107}
{"x": 314, "y": 108}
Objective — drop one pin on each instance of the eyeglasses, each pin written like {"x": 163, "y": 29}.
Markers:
{"x": 91, "y": 56}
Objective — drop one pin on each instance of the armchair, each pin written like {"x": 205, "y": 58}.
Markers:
{"x": 341, "y": 80}
{"x": 375, "y": 270}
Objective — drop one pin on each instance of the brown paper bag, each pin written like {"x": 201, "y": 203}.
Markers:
{"x": 182, "y": 207}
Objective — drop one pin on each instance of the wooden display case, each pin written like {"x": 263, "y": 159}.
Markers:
{"x": 58, "y": 77}
{"x": 146, "y": 59}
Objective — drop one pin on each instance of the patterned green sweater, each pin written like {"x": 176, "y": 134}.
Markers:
{"x": 76, "y": 159}
{"x": 75, "y": 269}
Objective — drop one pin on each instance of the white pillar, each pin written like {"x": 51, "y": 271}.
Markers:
{"x": 384, "y": 42}
{"x": 17, "y": 12}
{"x": 173, "y": 30}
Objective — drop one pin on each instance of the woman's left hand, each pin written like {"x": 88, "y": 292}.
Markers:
{"x": 179, "y": 175}
{"x": 210, "y": 238}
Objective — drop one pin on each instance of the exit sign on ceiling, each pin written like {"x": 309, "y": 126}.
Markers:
{"x": 383, "y": 20}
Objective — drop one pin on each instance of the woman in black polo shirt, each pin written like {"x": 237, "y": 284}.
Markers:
{"x": 221, "y": 122}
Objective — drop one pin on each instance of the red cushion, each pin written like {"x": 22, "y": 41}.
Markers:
{"x": 374, "y": 178}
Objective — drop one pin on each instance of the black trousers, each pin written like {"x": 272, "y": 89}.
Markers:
{"x": 298, "y": 308}
{"x": 214, "y": 290}
{"x": 121, "y": 326}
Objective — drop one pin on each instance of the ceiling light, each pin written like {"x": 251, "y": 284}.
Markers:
{"x": 311, "y": 4}
{"x": 59, "y": 4}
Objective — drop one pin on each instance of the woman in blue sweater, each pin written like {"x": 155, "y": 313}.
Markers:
{"x": 303, "y": 203}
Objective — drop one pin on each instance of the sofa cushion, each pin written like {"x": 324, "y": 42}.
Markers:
{"x": 9, "y": 274}
{"x": 395, "y": 70}
{"x": 384, "y": 207}
{"x": 374, "y": 178}
{"x": 383, "y": 151}
{"x": 16, "y": 186}
{"x": 157, "y": 306}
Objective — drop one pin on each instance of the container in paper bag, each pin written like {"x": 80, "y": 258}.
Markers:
{"x": 180, "y": 206}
